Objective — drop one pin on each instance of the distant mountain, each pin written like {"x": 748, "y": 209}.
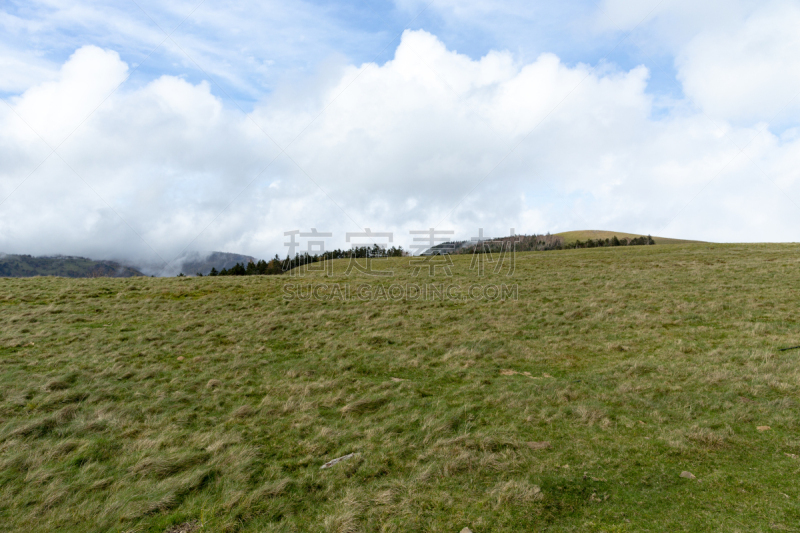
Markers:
{"x": 197, "y": 262}
{"x": 24, "y": 266}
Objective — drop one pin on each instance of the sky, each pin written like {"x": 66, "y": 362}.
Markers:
{"x": 142, "y": 131}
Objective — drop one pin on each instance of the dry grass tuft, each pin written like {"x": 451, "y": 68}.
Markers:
{"x": 342, "y": 523}
{"x": 516, "y": 492}
{"x": 166, "y": 466}
{"x": 56, "y": 385}
{"x": 707, "y": 437}
{"x": 244, "y": 411}
{"x": 364, "y": 405}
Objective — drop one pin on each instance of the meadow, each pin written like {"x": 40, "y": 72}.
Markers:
{"x": 211, "y": 403}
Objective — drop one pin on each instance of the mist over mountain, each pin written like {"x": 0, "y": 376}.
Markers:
{"x": 202, "y": 262}
{"x": 20, "y": 266}
{"x": 192, "y": 263}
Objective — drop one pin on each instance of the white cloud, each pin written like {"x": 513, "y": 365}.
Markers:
{"x": 673, "y": 22}
{"x": 55, "y": 108}
{"x": 747, "y": 73}
{"x": 737, "y": 60}
{"x": 538, "y": 146}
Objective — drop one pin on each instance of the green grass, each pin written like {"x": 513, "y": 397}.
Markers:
{"x": 583, "y": 235}
{"x": 644, "y": 362}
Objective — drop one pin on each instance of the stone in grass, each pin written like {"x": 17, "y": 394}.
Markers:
{"x": 180, "y": 358}
{"x": 687, "y": 475}
{"x": 466, "y": 530}
{"x": 763, "y": 428}
{"x": 539, "y": 445}
{"x": 337, "y": 460}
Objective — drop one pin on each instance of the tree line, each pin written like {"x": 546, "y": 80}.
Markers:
{"x": 276, "y": 265}
{"x": 522, "y": 243}
{"x": 541, "y": 243}
{"x": 613, "y": 241}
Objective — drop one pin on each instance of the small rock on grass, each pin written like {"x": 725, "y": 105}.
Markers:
{"x": 687, "y": 475}
{"x": 466, "y": 530}
{"x": 337, "y": 460}
{"x": 763, "y": 428}
{"x": 180, "y": 358}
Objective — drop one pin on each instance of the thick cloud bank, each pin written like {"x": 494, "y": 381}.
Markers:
{"x": 430, "y": 138}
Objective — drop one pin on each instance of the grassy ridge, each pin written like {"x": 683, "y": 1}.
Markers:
{"x": 583, "y": 235}
{"x": 643, "y": 362}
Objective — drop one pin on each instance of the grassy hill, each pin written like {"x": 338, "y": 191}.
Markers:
{"x": 583, "y": 235}
{"x": 141, "y": 404}
{"x": 23, "y": 266}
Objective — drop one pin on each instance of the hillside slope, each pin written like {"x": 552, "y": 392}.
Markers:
{"x": 145, "y": 404}
{"x": 583, "y": 235}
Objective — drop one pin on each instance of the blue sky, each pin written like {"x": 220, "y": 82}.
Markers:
{"x": 670, "y": 117}
{"x": 249, "y": 57}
